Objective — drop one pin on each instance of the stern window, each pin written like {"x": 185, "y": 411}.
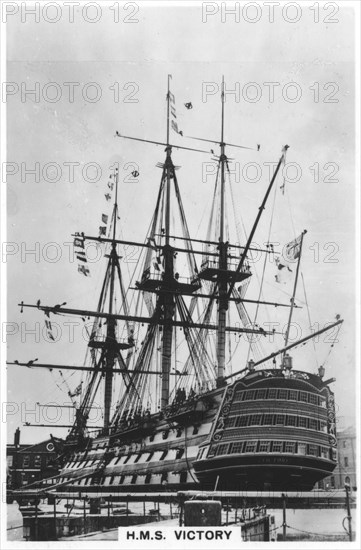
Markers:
{"x": 249, "y": 395}
{"x": 237, "y": 447}
{"x": 289, "y": 447}
{"x": 324, "y": 452}
{"x": 222, "y": 449}
{"x": 255, "y": 419}
{"x": 250, "y": 447}
{"x": 242, "y": 421}
{"x": 277, "y": 446}
{"x": 264, "y": 446}
{"x": 302, "y": 422}
{"x": 313, "y": 450}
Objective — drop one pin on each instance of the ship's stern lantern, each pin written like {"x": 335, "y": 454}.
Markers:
{"x": 287, "y": 363}
{"x": 250, "y": 365}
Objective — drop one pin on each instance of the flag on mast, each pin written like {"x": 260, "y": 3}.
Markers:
{"x": 173, "y": 113}
{"x": 291, "y": 253}
{"x": 293, "y": 249}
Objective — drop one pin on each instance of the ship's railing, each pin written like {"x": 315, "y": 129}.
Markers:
{"x": 153, "y": 275}
{"x": 102, "y": 338}
{"x": 232, "y": 265}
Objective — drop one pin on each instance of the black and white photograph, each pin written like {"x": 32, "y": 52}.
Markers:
{"x": 180, "y": 242}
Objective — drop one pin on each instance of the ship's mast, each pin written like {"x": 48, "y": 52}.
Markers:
{"x": 168, "y": 297}
{"x": 226, "y": 276}
{"x": 111, "y": 347}
{"x": 222, "y": 280}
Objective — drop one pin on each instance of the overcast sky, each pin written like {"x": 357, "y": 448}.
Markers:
{"x": 129, "y": 62}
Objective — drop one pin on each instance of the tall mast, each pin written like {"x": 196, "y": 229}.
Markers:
{"x": 165, "y": 305}
{"x": 168, "y": 167}
{"x": 168, "y": 105}
{"x": 111, "y": 345}
{"x": 222, "y": 158}
{"x": 168, "y": 298}
{"x": 222, "y": 280}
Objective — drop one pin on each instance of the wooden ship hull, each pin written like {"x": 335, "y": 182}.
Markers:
{"x": 271, "y": 430}
{"x": 156, "y": 454}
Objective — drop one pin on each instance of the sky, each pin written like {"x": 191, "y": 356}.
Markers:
{"x": 118, "y": 74}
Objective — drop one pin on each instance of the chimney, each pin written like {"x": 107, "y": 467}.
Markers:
{"x": 17, "y": 437}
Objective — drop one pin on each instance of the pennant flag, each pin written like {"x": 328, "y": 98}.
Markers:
{"x": 293, "y": 249}
{"x": 188, "y": 105}
{"x": 81, "y": 258}
{"x": 108, "y": 196}
{"x": 49, "y": 330}
{"x": 173, "y": 113}
{"x": 79, "y": 242}
{"x": 174, "y": 126}
{"x": 84, "y": 270}
{"x": 104, "y": 218}
{"x": 102, "y": 230}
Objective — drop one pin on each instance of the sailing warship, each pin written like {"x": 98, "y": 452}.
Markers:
{"x": 170, "y": 427}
